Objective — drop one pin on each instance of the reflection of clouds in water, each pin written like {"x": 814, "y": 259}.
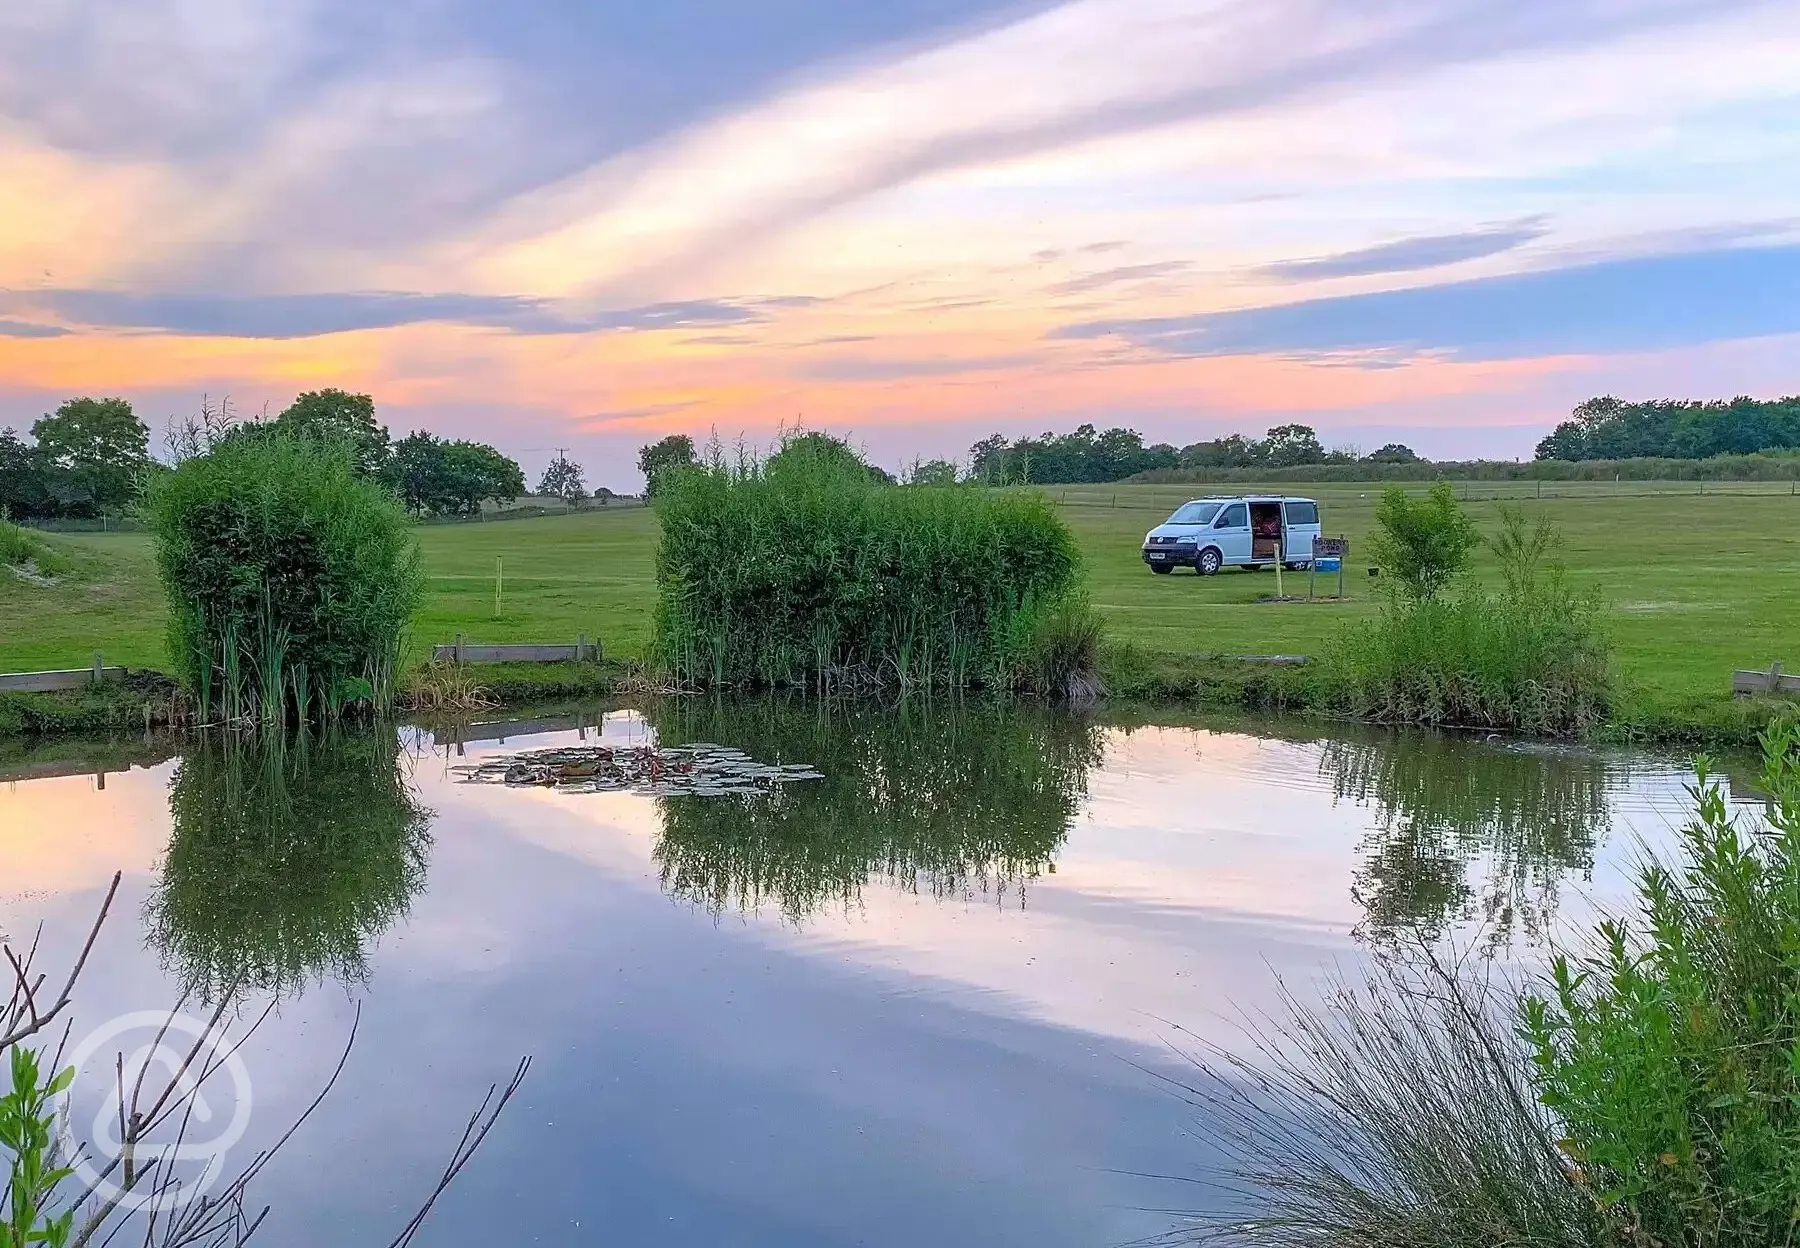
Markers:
{"x": 65, "y": 834}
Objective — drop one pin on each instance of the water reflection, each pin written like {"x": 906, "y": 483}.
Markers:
{"x": 948, "y": 800}
{"x": 287, "y": 857}
{"x": 1445, "y": 808}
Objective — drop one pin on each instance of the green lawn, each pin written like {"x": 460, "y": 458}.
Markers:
{"x": 1695, "y": 585}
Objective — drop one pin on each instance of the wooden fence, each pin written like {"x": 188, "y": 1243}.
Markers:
{"x": 69, "y": 678}
{"x": 460, "y": 651}
{"x": 1748, "y": 684}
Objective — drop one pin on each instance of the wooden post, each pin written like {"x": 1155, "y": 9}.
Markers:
{"x": 497, "y": 586}
{"x": 459, "y": 644}
{"x": 1279, "y": 560}
{"x": 1774, "y": 678}
{"x": 99, "y": 663}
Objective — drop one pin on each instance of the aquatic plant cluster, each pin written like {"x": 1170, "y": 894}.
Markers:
{"x": 291, "y": 578}
{"x": 698, "y": 770}
{"x": 802, "y": 570}
{"x": 1642, "y": 1092}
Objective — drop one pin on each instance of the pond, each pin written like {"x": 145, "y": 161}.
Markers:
{"x": 923, "y": 986}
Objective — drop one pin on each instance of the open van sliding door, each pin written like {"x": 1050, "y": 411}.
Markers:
{"x": 1265, "y": 531}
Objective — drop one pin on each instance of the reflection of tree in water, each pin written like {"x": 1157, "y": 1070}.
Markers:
{"x": 1442, "y": 803}
{"x": 286, "y": 858}
{"x": 949, "y": 799}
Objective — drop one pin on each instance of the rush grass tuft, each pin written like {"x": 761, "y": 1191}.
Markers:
{"x": 801, "y": 571}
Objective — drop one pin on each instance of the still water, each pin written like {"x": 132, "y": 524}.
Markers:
{"x": 923, "y": 999}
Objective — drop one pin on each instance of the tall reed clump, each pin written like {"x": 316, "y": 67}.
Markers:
{"x": 1445, "y": 649}
{"x": 1641, "y": 1092}
{"x": 802, "y": 571}
{"x": 290, "y": 578}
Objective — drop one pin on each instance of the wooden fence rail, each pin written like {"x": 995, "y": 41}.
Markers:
{"x": 1748, "y": 684}
{"x": 460, "y": 651}
{"x": 69, "y": 678}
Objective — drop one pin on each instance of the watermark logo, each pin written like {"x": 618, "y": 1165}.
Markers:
{"x": 171, "y": 1090}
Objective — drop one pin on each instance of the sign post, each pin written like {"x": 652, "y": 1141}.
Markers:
{"x": 1329, "y": 553}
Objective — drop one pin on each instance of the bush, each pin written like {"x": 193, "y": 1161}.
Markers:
{"x": 1671, "y": 1052}
{"x": 1530, "y": 658}
{"x": 801, "y": 571}
{"x": 290, "y": 577}
{"x": 1533, "y": 663}
{"x": 19, "y": 547}
{"x": 1423, "y": 543}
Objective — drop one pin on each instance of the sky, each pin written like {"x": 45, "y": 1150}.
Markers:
{"x": 589, "y": 223}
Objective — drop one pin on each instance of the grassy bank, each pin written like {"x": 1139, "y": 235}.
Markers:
{"x": 1694, "y": 586}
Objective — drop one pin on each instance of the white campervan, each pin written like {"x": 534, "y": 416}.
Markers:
{"x": 1248, "y": 531}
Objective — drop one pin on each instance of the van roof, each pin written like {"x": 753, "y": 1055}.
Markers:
{"x": 1252, "y": 498}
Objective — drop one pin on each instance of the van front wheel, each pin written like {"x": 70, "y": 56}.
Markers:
{"x": 1208, "y": 563}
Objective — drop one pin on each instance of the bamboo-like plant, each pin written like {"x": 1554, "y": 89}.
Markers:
{"x": 291, "y": 578}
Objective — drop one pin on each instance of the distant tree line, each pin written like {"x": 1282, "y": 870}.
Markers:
{"x": 1609, "y": 428}
{"x": 90, "y": 457}
{"x": 1089, "y": 455}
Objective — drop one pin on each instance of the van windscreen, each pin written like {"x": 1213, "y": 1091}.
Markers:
{"x": 1195, "y": 513}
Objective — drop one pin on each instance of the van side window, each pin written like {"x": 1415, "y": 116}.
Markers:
{"x": 1236, "y": 516}
{"x": 1302, "y": 513}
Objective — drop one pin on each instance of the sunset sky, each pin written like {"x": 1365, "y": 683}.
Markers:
{"x": 587, "y": 223}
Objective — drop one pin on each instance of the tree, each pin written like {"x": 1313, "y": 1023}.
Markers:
{"x": 932, "y": 472}
{"x": 99, "y": 449}
{"x": 434, "y": 476}
{"x": 674, "y": 451}
{"x": 821, "y": 448}
{"x": 562, "y": 479}
{"x": 1394, "y": 453}
{"x": 334, "y": 413}
{"x": 1422, "y": 543}
{"x": 1610, "y": 428}
{"x": 988, "y": 460}
{"x": 1232, "y": 451}
{"x": 24, "y": 493}
{"x": 1289, "y": 446}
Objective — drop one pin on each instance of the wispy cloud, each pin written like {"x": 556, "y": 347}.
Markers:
{"x": 1085, "y": 69}
{"x": 1406, "y": 255}
{"x": 888, "y": 368}
{"x": 1124, "y": 273}
{"x": 311, "y": 315}
{"x": 27, "y": 329}
{"x": 1638, "y": 304}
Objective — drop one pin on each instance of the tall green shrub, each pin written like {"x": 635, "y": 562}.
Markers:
{"x": 802, "y": 571}
{"x": 1423, "y": 542}
{"x": 290, "y": 577}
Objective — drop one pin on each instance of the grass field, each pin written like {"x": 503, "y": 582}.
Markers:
{"x": 1695, "y": 585}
